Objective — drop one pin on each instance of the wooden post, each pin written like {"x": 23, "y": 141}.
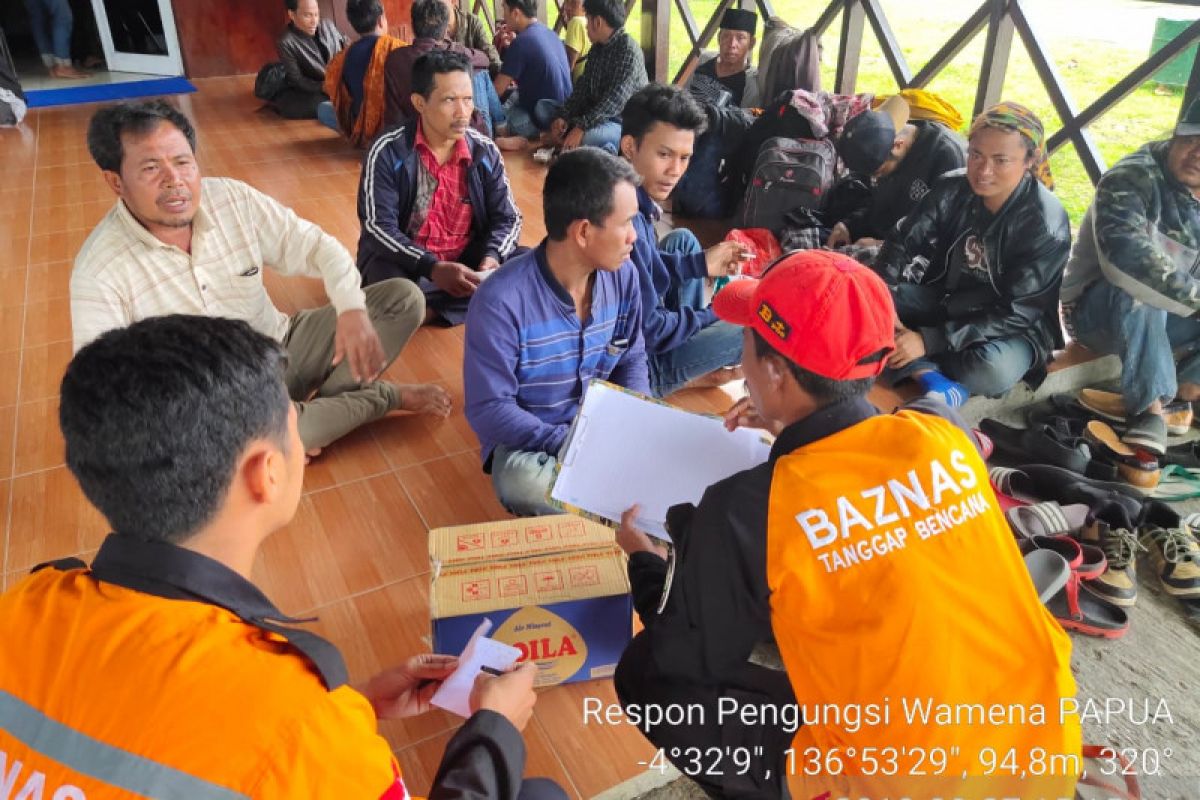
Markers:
{"x": 995, "y": 57}
{"x": 853, "y": 20}
{"x": 1193, "y": 88}
{"x": 656, "y": 33}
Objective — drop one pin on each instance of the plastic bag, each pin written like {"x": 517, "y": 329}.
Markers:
{"x": 762, "y": 243}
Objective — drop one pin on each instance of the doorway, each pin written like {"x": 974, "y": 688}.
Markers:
{"x": 112, "y": 41}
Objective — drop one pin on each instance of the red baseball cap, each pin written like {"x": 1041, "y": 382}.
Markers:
{"x": 823, "y": 310}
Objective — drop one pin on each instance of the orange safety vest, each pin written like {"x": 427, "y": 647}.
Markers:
{"x": 108, "y": 692}
{"x": 921, "y": 659}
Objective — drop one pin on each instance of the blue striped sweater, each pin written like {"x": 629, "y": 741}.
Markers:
{"x": 528, "y": 355}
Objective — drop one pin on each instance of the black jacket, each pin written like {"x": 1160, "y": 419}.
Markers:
{"x": 305, "y": 57}
{"x": 718, "y": 602}
{"x": 937, "y": 150}
{"x": 387, "y": 191}
{"x": 1024, "y": 250}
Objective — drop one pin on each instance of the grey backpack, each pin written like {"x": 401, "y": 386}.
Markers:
{"x": 788, "y": 174}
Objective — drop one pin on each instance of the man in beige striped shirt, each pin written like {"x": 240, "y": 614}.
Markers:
{"x": 179, "y": 244}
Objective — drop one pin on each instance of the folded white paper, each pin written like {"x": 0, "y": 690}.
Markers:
{"x": 454, "y": 694}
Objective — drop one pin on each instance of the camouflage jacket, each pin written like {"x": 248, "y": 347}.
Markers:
{"x": 1142, "y": 234}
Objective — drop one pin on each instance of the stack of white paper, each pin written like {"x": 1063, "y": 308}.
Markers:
{"x": 626, "y": 449}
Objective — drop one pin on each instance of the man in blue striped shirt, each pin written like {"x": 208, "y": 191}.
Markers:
{"x": 552, "y": 319}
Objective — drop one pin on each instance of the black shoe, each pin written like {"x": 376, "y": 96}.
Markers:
{"x": 1037, "y": 444}
{"x": 1183, "y": 455}
{"x": 1147, "y": 431}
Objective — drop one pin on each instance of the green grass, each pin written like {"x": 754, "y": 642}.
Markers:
{"x": 1088, "y": 68}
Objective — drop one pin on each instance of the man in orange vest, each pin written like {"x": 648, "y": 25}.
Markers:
{"x": 162, "y": 671}
{"x": 871, "y": 551}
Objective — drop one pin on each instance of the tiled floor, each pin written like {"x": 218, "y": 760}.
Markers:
{"x": 355, "y": 556}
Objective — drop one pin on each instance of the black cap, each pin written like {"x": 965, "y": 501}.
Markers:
{"x": 867, "y": 139}
{"x": 739, "y": 19}
{"x": 1190, "y": 124}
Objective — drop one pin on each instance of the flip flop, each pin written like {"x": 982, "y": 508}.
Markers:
{"x": 1085, "y": 560}
{"x": 1049, "y": 572}
{"x": 1086, "y": 613}
{"x": 1099, "y": 762}
{"x": 1012, "y": 487}
{"x": 1046, "y": 519}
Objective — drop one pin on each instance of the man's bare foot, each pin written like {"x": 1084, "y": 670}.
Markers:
{"x": 424, "y": 398}
{"x": 512, "y": 144}
{"x": 310, "y": 454}
{"x": 718, "y": 377}
{"x": 66, "y": 71}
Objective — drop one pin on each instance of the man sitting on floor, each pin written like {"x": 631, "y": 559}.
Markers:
{"x": 186, "y": 681}
{"x": 863, "y": 534}
{"x": 537, "y": 63}
{"x": 975, "y": 268}
{"x": 305, "y": 49}
{"x": 575, "y": 37}
{"x": 430, "y": 19}
{"x": 1130, "y": 286}
{"x": 354, "y": 78}
{"x": 902, "y": 158}
{"x": 685, "y": 342}
{"x": 615, "y": 69}
{"x": 177, "y": 243}
{"x": 434, "y": 199}
{"x": 550, "y": 321}
{"x": 470, "y": 31}
{"x": 729, "y": 72}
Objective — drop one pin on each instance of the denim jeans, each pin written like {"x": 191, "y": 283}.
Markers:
{"x": 1108, "y": 320}
{"x": 487, "y": 101}
{"x": 606, "y": 135}
{"x": 989, "y": 369}
{"x": 328, "y": 117}
{"x": 715, "y": 346}
{"x": 520, "y": 121}
{"x": 522, "y": 480}
{"x": 51, "y": 22}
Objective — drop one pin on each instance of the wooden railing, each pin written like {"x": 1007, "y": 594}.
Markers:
{"x": 1001, "y": 21}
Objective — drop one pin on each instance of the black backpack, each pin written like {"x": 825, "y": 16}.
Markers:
{"x": 271, "y": 80}
{"x": 788, "y": 174}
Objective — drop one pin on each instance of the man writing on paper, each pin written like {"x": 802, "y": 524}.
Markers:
{"x": 869, "y": 547}
{"x": 551, "y": 320}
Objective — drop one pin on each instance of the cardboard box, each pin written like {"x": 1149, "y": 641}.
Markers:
{"x": 554, "y": 587}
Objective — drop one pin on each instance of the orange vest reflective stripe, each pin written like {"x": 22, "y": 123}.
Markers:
{"x": 908, "y": 623}
{"x": 113, "y": 693}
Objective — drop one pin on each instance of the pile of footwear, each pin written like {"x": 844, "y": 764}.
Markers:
{"x": 1082, "y": 539}
{"x": 1091, "y": 435}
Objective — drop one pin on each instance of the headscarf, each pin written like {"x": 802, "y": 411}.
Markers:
{"x": 1016, "y": 117}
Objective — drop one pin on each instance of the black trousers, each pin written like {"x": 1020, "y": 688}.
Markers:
{"x": 639, "y": 683}
{"x": 298, "y": 104}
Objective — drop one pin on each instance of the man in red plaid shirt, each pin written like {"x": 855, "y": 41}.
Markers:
{"x": 434, "y": 200}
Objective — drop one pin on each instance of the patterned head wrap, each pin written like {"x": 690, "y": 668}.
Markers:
{"x": 1016, "y": 117}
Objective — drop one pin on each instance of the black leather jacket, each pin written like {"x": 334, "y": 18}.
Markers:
{"x": 1024, "y": 250}
{"x": 305, "y": 57}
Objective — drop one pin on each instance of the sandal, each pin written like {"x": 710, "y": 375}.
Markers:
{"x": 1087, "y": 613}
{"x": 1086, "y": 561}
{"x": 1046, "y": 519}
{"x": 1049, "y": 572}
{"x": 1104, "y": 770}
